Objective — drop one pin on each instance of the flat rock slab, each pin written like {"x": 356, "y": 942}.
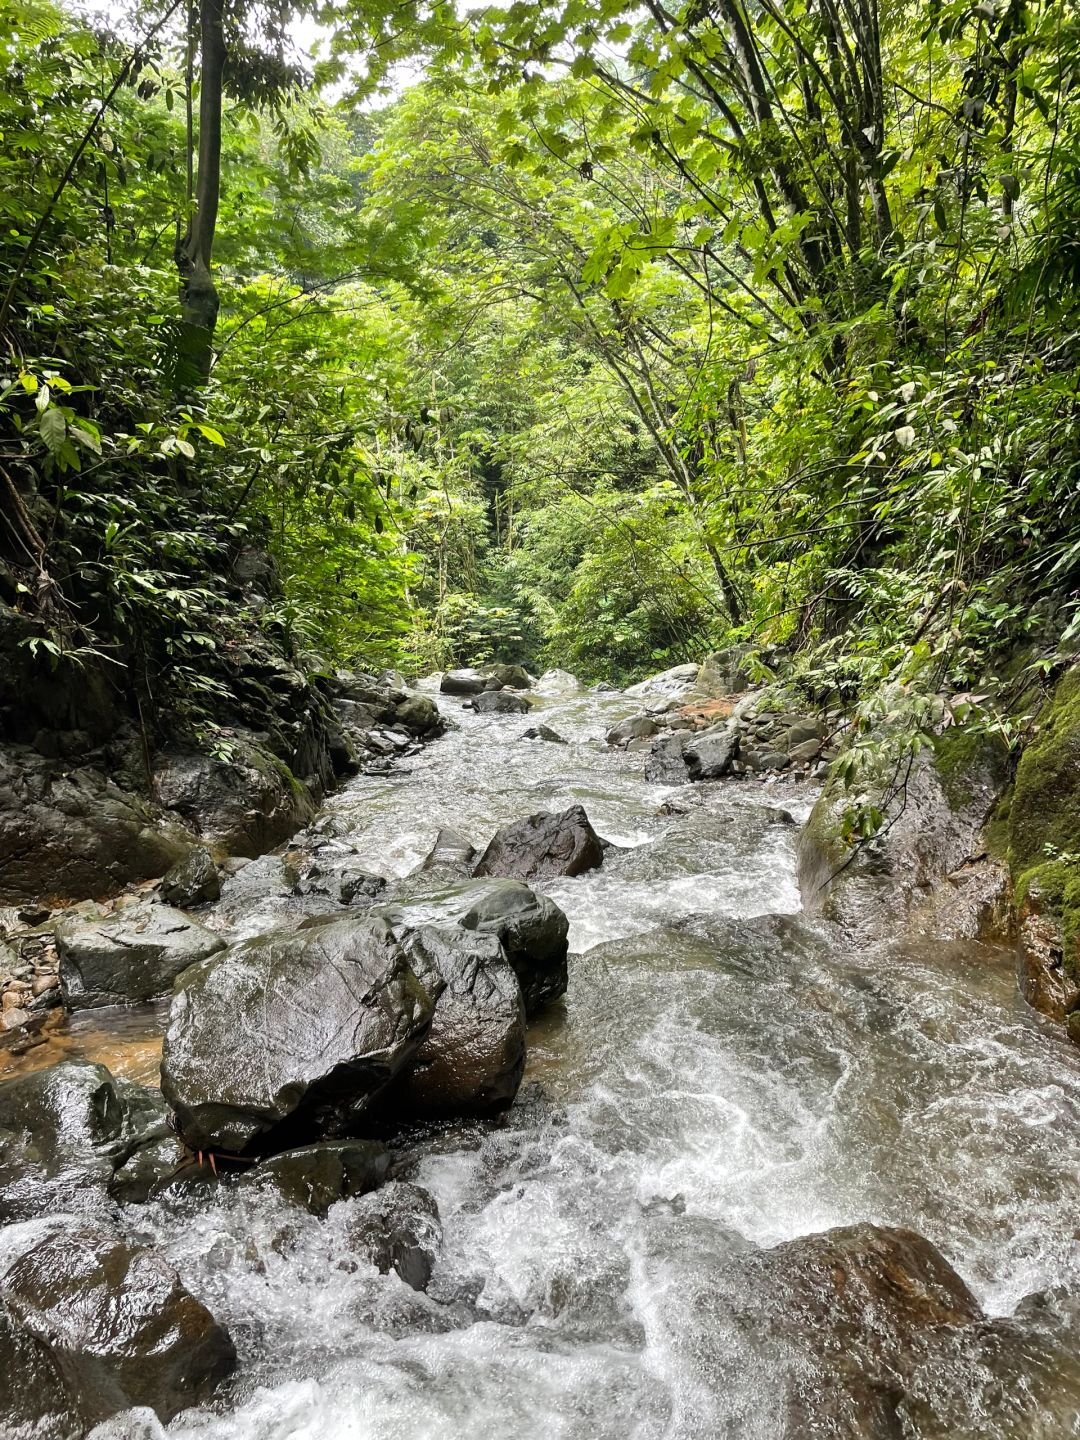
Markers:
{"x": 131, "y": 956}
{"x": 92, "y": 1325}
{"x": 301, "y": 1026}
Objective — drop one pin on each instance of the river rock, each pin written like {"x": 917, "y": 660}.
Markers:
{"x": 531, "y": 929}
{"x": 543, "y": 845}
{"x": 864, "y": 1303}
{"x": 317, "y": 1176}
{"x": 675, "y": 681}
{"x": 302, "y": 1027}
{"x": 130, "y": 956}
{"x": 246, "y": 804}
{"x": 542, "y": 732}
{"x": 419, "y": 715}
{"x": 99, "y": 1326}
{"x": 637, "y": 727}
{"x": 514, "y": 676}
{"x": 192, "y": 880}
{"x": 473, "y": 1057}
{"x": 500, "y": 702}
{"x": 66, "y": 834}
{"x": 710, "y": 756}
{"x": 341, "y": 877}
{"x": 462, "y": 682}
{"x": 396, "y": 1228}
{"x": 557, "y": 682}
{"x": 665, "y": 764}
{"x": 451, "y": 851}
{"x": 74, "y": 1138}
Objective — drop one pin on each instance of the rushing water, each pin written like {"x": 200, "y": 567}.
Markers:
{"x": 720, "y": 1076}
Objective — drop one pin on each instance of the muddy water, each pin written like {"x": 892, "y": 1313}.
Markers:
{"x": 722, "y": 1075}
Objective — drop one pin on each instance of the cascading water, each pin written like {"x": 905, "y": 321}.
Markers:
{"x": 719, "y": 1078}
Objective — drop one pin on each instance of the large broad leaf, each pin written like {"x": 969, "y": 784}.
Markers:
{"x": 53, "y": 430}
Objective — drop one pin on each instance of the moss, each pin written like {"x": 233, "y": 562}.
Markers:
{"x": 1045, "y": 809}
{"x": 959, "y": 755}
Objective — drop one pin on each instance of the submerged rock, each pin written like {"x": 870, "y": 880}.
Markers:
{"x": 397, "y": 1228}
{"x": 302, "y": 1027}
{"x": 130, "y": 956}
{"x": 500, "y": 702}
{"x": 94, "y": 1326}
{"x": 543, "y": 845}
{"x": 192, "y": 880}
{"x": 317, "y": 1176}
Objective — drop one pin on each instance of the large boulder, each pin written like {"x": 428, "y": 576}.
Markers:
{"x": 419, "y": 715}
{"x": 473, "y": 1057}
{"x": 97, "y": 1326}
{"x": 66, "y": 834}
{"x": 531, "y": 929}
{"x": 130, "y": 956}
{"x": 462, "y": 682}
{"x": 542, "y": 846}
{"x": 711, "y": 755}
{"x": 676, "y": 681}
{"x": 396, "y": 1228}
{"x": 317, "y": 1176}
{"x": 285, "y": 1038}
{"x": 500, "y": 702}
{"x": 514, "y": 676}
{"x": 934, "y": 811}
{"x": 245, "y": 805}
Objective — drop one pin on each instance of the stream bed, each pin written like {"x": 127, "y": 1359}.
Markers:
{"x": 722, "y": 1075}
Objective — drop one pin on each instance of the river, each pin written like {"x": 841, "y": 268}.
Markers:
{"x": 722, "y": 1075}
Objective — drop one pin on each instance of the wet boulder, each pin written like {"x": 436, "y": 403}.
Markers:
{"x": 542, "y": 846}
{"x": 317, "y": 1176}
{"x": 637, "y": 727}
{"x": 131, "y": 956}
{"x": 341, "y": 877}
{"x": 711, "y": 755}
{"x": 58, "y": 1128}
{"x": 500, "y": 702}
{"x": 286, "y": 1037}
{"x": 462, "y": 682}
{"x": 531, "y": 929}
{"x": 542, "y": 732}
{"x": 451, "y": 851}
{"x": 246, "y": 804}
{"x": 66, "y": 834}
{"x": 396, "y": 1228}
{"x": 192, "y": 880}
{"x": 419, "y": 715}
{"x": 98, "y": 1326}
{"x": 515, "y": 677}
{"x": 473, "y": 1057}
{"x": 665, "y": 764}
{"x": 557, "y": 682}
{"x": 865, "y": 1304}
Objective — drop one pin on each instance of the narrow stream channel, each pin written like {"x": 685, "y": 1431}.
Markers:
{"x": 721, "y": 1075}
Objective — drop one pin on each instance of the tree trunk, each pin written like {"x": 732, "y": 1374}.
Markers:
{"x": 194, "y": 251}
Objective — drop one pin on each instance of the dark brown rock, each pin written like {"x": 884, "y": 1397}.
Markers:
{"x": 543, "y": 845}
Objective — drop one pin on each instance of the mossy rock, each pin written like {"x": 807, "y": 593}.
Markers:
{"x": 1043, "y": 819}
